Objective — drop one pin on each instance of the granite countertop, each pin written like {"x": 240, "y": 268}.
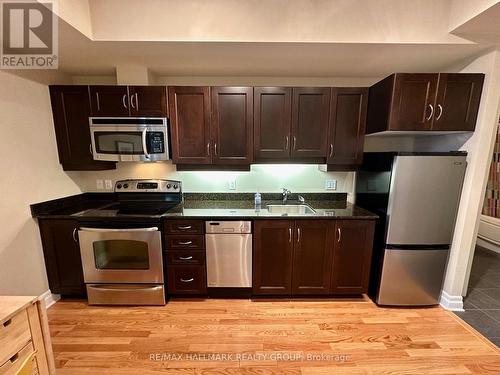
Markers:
{"x": 206, "y": 205}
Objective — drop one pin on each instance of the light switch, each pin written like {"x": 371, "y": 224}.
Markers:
{"x": 108, "y": 184}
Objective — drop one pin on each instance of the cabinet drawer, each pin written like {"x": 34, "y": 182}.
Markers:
{"x": 186, "y": 280}
{"x": 184, "y": 226}
{"x": 185, "y": 257}
{"x": 14, "y": 363}
{"x": 14, "y": 335}
{"x": 185, "y": 241}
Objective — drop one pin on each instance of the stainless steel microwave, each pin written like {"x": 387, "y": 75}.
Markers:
{"x": 129, "y": 138}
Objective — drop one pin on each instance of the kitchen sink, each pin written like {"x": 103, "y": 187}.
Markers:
{"x": 301, "y": 209}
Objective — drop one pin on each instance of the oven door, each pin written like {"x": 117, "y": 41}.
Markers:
{"x": 129, "y": 142}
{"x": 131, "y": 255}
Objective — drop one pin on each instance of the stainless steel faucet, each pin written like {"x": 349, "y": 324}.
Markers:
{"x": 301, "y": 199}
{"x": 285, "y": 194}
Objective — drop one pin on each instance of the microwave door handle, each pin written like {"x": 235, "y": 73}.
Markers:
{"x": 151, "y": 229}
{"x": 144, "y": 144}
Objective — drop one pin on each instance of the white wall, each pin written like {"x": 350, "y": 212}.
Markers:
{"x": 30, "y": 173}
{"x": 479, "y": 148}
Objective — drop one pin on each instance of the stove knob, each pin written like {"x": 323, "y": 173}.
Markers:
{"x": 175, "y": 187}
{"x": 119, "y": 186}
{"x": 125, "y": 186}
{"x": 168, "y": 186}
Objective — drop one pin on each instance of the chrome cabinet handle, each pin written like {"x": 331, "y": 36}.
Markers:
{"x": 185, "y": 242}
{"x": 339, "y": 231}
{"x": 187, "y": 280}
{"x": 289, "y": 234}
{"x": 294, "y": 142}
{"x": 74, "y": 234}
{"x": 186, "y": 258}
{"x": 440, "y": 107}
{"x": 287, "y": 142}
{"x": 208, "y": 148}
{"x": 298, "y": 235}
{"x": 215, "y": 149}
{"x": 184, "y": 227}
{"x": 98, "y": 102}
{"x": 331, "y": 149}
{"x": 132, "y": 101}
{"x": 124, "y": 97}
{"x": 144, "y": 144}
{"x": 432, "y": 112}
{"x": 136, "y": 105}
{"x": 137, "y": 101}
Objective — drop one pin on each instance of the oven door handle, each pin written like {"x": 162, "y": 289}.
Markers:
{"x": 144, "y": 144}
{"x": 151, "y": 229}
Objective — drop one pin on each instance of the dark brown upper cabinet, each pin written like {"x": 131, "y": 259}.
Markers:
{"x": 424, "y": 102}
{"x": 272, "y": 257}
{"x": 71, "y": 111}
{"x": 352, "y": 256}
{"x": 310, "y": 110}
{"x": 347, "y": 126}
{"x": 457, "y": 103}
{"x": 291, "y": 123}
{"x": 312, "y": 256}
{"x": 125, "y": 101}
{"x": 62, "y": 256}
{"x": 148, "y": 101}
{"x": 272, "y": 122}
{"x": 190, "y": 124}
{"x": 232, "y": 125}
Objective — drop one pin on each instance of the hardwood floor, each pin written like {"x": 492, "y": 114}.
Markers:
{"x": 266, "y": 337}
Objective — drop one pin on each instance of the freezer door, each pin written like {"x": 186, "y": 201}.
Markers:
{"x": 423, "y": 199}
{"x": 412, "y": 277}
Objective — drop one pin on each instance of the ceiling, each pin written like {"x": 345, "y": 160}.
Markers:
{"x": 310, "y": 38}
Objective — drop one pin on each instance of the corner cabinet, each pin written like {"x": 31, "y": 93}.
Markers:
{"x": 62, "y": 256}
{"x": 211, "y": 125}
{"x": 425, "y": 102}
{"x": 71, "y": 112}
{"x": 312, "y": 257}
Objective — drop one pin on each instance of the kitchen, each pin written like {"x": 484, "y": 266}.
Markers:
{"x": 235, "y": 200}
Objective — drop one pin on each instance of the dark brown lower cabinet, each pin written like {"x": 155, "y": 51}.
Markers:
{"x": 62, "y": 256}
{"x": 272, "y": 257}
{"x": 352, "y": 256}
{"x": 186, "y": 280}
{"x": 312, "y": 257}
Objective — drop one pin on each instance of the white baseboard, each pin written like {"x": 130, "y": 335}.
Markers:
{"x": 452, "y": 303}
{"x": 488, "y": 245}
{"x": 50, "y": 298}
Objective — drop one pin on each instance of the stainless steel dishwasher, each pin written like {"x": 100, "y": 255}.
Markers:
{"x": 229, "y": 254}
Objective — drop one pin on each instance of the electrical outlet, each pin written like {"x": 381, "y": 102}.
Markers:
{"x": 108, "y": 184}
{"x": 331, "y": 184}
{"x": 231, "y": 184}
{"x": 99, "y": 184}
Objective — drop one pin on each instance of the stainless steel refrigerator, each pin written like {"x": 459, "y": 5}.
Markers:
{"x": 416, "y": 196}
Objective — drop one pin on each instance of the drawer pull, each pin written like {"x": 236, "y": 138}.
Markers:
{"x": 184, "y": 227}
{"x": 186, "y": 258}
{"x": 7, "y": 323}
{"x": 185, "y": 242}
{"x": 14, "y": 358}
{"x": 187, "y": 280}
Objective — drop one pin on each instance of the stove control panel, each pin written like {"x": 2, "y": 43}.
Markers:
{"x": 148, "y": 186}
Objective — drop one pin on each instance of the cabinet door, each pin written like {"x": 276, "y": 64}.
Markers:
{"x": 352, "y": 256}
{"x": 272, "y": 257}
{"x": 312, "y": 256}
{"x": 109, "y": 101}
{"x": 347, "y": 125}
{"x": 62, "y": 256}
{"x": 310, "y": 110}
{"x": 413, "y": 101}
{"x": 148, "y": 101}
{"x": 190, "y": 124}
{"x": 232, "y": 122}
{"x": 272, "y": 118}
{"x": 457, "y": 103}
{"x": 71, "y": 111}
